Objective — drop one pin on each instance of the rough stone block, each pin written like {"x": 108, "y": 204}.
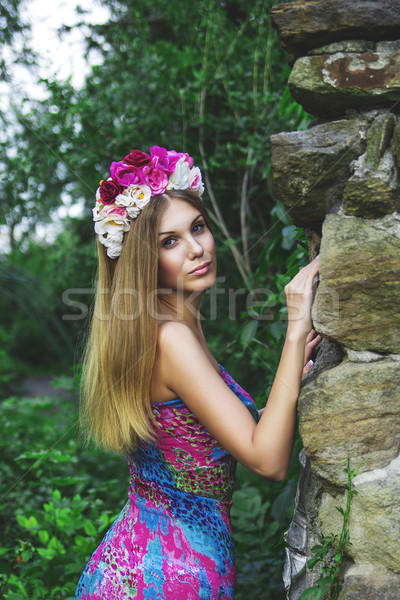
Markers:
{"x": 370, "y": 197}
{"x": 328, "y": 84}
{"x": 351, "y": 411}
{"x": 374, "y": 586}
{"x": 308, "y": 24}
{"x": 311, "y": 167}
{"x": 373, "y": 190}
{"x": 374, "y": 523}
{"x": 379, "y": 137}
{"x": 358, "y": 300}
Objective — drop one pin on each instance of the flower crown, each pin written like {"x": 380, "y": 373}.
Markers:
{"x": 134, "y": 180}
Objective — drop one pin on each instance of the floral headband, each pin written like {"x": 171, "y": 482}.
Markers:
{"x": 133, "y": 182}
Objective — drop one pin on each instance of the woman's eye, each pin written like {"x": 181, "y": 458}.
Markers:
{"x": 168, "y": 242}
{"x": 198, "y": 227}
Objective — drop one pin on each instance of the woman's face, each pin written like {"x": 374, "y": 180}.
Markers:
{"x": 186, "y": 249}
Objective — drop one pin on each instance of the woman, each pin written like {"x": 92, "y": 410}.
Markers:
{"x": 154, "y": 390}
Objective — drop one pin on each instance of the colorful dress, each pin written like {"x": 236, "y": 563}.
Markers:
{"x": 173, "y": 538}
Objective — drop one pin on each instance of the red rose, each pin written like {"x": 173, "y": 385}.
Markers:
{"x": 137, "y": 158}
{"x": 109, "y": 190}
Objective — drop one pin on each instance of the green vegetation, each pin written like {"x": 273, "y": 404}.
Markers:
{"x": 59, "y": 500}
{"x": 331, "y": 552}
{"x": 208, "y": 78}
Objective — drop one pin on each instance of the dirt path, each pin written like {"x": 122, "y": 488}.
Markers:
{"x": 37, "y": 387}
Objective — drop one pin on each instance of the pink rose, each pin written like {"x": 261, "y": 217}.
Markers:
{"x": 164, "y": 159}
{"x": 137, "y": 158}
{"x": 156, "y": 178}
{"x": 125, "y": 174}
{"x": 109, "y": 190}
{"x": 113, "y": 213}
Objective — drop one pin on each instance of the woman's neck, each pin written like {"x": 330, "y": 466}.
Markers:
{"x": 181, "y": 306}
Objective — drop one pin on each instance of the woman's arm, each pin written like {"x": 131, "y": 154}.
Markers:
{"x": 266, "y": 447}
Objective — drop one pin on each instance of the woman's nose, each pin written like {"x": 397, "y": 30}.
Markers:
{"x": 195, "y": 248}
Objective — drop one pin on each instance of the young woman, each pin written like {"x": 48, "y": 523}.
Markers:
{"x": 153, "y": 389}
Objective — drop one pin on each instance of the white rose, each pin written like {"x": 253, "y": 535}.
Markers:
{"x": 133, "y": 211}
{"x": 134, "y": 195}
{"x": 96, "y": 211}
{"x": 115, "y": 236}
{"x": 114, "y": 251}
{"x": 111, "y": 227}
{"x": 179, "y": 179}
{"x": 110, "y": 224}
{"x": 195, "y": 182}
{"x": 111, "y": 235}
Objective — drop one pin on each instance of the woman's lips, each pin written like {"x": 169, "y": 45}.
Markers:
{"x": 201, "y": 269}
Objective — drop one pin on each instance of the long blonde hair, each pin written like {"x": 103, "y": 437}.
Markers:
{"x": 115, "y": 410}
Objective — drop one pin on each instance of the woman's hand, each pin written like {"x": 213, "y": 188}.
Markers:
{"x": 312, "y": 340}
{"x": 299, "y": 298}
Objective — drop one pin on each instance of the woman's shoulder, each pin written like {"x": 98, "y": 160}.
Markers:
{"x": 177, "y": 347}
{"x": 171, "y": 332}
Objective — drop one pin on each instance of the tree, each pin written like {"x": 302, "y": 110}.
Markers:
{"x": 208, "y": 78}
{"x": 11, "y": 25}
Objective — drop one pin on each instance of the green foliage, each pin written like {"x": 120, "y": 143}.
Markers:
{"x": 256, "y": 537}
{"x": 62, "y": 539}
{"x": 57, "y": 501}
{"x": 261, "y": 512}
{"x": 263, "y": 328}
{"x": 332, "y": 551}
{"x": 11, "y": 25}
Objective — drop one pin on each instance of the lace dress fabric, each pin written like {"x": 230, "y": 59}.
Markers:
{"x": 173, "y": 538}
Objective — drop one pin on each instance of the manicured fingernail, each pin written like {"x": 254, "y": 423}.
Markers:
{"x": 309, "y": 364}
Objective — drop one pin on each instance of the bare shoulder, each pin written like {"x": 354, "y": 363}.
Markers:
{"x": 171, "y": 331}
{"x": 177, "y": 344}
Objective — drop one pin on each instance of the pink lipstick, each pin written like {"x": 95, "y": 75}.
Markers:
{"x": 201, "y": 269}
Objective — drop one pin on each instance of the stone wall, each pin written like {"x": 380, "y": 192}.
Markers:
{"x": 340, "y": 181}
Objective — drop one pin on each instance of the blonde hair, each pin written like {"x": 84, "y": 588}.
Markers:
{"x": 115, "y": 409}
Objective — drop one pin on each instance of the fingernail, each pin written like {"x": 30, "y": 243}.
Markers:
{"x": 309, "y": 364}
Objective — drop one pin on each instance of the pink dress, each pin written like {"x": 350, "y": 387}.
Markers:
{"x": 173, "y": 538}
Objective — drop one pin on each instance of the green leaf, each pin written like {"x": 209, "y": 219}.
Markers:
{"x": 248, "y": 332}
{"x": 27, "y": 522}
{"x": 283, "y": 502}
{"x": 89, "y": 528}
{"x": 309, "y": 593}
{"x": 56, "y": 495}
{"x": 47, "y": 553}
{"x": 26, "y": 555}
{"x": 43, "y": 536}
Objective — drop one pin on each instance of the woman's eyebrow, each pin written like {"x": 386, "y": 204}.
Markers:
{"x": 172, "y": 232}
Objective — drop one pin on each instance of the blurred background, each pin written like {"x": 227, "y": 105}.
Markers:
{"x": 81, "y": 86}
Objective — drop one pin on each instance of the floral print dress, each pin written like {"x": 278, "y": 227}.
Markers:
{"x": 173, "y": 539}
